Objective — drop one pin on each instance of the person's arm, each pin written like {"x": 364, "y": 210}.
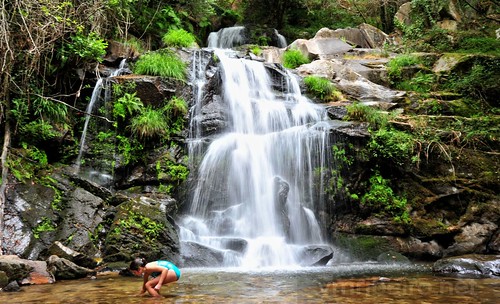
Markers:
{"x": 147, "y": 272}
{"x": 163, "y": 276}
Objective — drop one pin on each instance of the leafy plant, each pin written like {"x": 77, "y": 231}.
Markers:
{"x": 127, "y": 105}
{"x": 293, "y": 58}
{"x": 178, "y": 38}
{"x": 381, "y": 197}
{"x": 165, "y": 64}
{"x": 45, "y": 225}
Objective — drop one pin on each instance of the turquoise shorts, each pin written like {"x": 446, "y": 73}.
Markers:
{"x": 170, "y": 266}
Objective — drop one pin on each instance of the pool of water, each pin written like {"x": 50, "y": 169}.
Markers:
{"x": 353, "y": 283}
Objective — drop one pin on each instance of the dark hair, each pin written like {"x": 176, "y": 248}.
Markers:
{"x": 136, "y": 263}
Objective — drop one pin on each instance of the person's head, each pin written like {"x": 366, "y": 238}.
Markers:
{"x": 137, "y": 266}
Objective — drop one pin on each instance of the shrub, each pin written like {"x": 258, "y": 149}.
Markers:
{"x": 164, "y": 64}
{"x": 178, "y": 38}
{"x": 126, "y": 105}
{"x": 481, "y": 45}
{"x": 293, "y": 58}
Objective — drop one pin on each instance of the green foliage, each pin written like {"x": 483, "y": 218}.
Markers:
{"x": 54, "y": 111}
{"x": 177, "y": 172}
{"x": 293, "y": 58}
{"x": 381, "y": 197}
{"x": 479, "y": 45}
{"x": 175, "y": 112}
{"x": 127, "y": 105}
{"x": 179, "y": 38}
{"x": 421, "y": 83}
{"x": 38, "y": 130}
{"x": 45, "y": 225}
{"x": 129, "y": 149}
{"x": 391, "y": 144}
{"x": 256, "y": 50}
{"x": 84, "y": 48}
{"x": 364, "y": 113}
{"x": 164, "y": 64}
{"x": 148, "y": 227}
{"x": 150, "y": 123}
{"x": 396, "y": 65}
{"x": 322, "y": 88}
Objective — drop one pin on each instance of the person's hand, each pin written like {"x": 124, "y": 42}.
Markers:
{"x": 158, "y": 286}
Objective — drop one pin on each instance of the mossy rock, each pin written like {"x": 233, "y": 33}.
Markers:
{"x": 363, "y": 247}
{"x": 141, "y": 228}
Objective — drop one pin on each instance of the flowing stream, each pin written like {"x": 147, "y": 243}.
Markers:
{"x": 256, "y": 184}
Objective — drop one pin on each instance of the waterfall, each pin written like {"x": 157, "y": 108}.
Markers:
{"x": 256, "y": 182}
{"x": 96, "y": 95}
{"x": 227, "y": 37}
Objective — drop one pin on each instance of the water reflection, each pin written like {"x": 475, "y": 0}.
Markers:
{"x": 363, "y": 283}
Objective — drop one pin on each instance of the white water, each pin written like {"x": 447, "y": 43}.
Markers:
{"x": 271, "y": 137}
{"x": 226, "y": 37}
{"x": 96, "y": 94}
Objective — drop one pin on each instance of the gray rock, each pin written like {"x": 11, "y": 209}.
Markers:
{"x": 472, "y": 264}
{"x": 197, "y": 255}
{"x": 316, "y": 255}
{"x": 63, "y": 269}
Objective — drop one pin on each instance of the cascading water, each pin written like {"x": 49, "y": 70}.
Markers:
{"x": 96, "y": 95}
{"x": 255, "y": 185}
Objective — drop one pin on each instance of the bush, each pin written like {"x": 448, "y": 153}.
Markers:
{"x": 364, "y": 113}
{"x": 294, "y": 58}
{"x": 480, "y": 45}
{"x": 161, "y": 64}
{"x": 178, "y": 38}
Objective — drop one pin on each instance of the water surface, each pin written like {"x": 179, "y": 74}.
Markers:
{"x": 353, "y": 283}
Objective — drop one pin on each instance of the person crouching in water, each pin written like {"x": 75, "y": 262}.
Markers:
{"x": 163, "y": 272}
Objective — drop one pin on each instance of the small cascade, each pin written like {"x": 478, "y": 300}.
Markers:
{"x": 255, "y": 185}
{"x": 281, "y": 39}
{"x": 101, "y": 84}
{"x": 227, "y": 37}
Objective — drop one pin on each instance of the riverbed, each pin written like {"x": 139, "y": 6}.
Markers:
{"x": 349, "y": 283}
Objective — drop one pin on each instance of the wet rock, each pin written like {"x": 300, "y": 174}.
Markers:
{"x": 472, "y": 264}
{"x": 153, "y": 90}
{"x": 316, "y": 255}
{"x": 12, "y": 287}
{"x": 39, "y": 274}
{"x": 391, "y": 257}
{"x": 4, "y": 279}
{"x": 197, "y": 255}
{"x": 78, "y": 258}
{"x": 14, "y": 267}
{"x": 213, "y": 117}
{"x": 63, "y": 269}
{"x": 141, "y": 227}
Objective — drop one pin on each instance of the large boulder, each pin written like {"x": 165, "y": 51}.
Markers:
{"x": 197, "y": 255}
{"x": 141, "y": 227}
{"x": 364, "y": 36}
{"x": 472, "y": 264}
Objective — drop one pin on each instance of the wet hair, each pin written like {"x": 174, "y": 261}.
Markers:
{"x": 136, "y": 263}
